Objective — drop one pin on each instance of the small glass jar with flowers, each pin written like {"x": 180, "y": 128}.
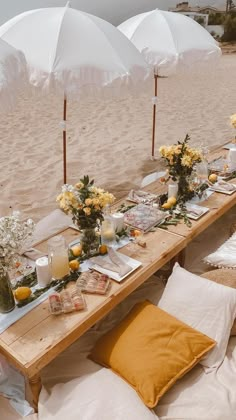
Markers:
{"x": 233, "y": 124}
{"x": 14, "y": 235}
{"x": 180, "y": 160}
{"x": 85, "y": 202}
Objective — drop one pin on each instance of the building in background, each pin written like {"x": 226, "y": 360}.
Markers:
{"x": 211, "y": 18}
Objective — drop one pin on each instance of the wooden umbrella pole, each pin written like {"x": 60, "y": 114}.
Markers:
{"x": 154, "y": 116}
{"x": 64, "y": 139}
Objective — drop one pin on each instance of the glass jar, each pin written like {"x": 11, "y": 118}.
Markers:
{"x": 7, "y": 301}
{"x": 89, "y": 241}
{"x": 58, "y": 257}
{"x": 108, "y": 234}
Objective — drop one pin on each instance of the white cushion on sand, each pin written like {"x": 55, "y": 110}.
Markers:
{"x": 101, "y": 395}
{"x": 151, "y": 178}
{"x": 204, "y": 305}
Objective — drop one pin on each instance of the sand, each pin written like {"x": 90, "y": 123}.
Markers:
{"x": 109, "y": 140}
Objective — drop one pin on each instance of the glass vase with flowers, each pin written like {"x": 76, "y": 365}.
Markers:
{"x": 14, "y": 234}
{"x": 180, "y": 159}
{"x": 85, "y": 202}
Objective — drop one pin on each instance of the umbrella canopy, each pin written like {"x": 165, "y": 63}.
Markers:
{"x": 74, "y": 53}
{"x": 68, "y": 50}
{"x": 13, "y": 74}
{"x": 169, "y": 42}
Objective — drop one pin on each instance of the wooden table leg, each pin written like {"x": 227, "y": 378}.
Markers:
{"x": 35, "y": 387}
{"x": 180, "y": 258}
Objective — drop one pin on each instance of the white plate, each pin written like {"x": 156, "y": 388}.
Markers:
{"x": 193, "y": 207}
{"x": 113, "y": 275}
{"x": 218, "y": 189}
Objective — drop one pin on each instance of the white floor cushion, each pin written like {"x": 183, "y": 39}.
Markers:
{"x": 99, "y": 396}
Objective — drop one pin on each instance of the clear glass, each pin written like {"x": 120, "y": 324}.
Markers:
{"x": 58, "y": 257}
{"x": 108, "y": 235}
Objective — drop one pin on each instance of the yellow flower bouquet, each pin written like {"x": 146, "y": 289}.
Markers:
{"x": 233, "y": 120}
{"x": 85, "y": 202}
{"x": 180, "y": 159}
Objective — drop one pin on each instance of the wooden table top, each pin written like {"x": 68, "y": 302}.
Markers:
{"x": 38, "y": 337}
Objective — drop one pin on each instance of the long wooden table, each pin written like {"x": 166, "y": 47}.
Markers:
{"x": 38, "y": 338}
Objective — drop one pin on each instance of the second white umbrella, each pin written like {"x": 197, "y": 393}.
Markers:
{"x": 169, "y": 42}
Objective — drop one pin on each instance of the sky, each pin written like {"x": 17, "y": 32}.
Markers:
{"x": 115, "y": 11}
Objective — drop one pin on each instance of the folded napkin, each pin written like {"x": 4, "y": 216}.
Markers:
{"x": 115, "y": 264}
{"x": 224, "y": 186}
{"x": 54, "y": 223}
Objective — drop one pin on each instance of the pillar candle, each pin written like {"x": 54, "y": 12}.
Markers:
{"x": 172, "y": 190}
{"x": 118, "y": 220}
{"x": 43, "y": 271}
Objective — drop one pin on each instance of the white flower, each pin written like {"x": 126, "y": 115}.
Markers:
{"x": 14, "y": 233}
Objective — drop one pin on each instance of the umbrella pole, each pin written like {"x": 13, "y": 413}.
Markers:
{"x": 154, "y": 116}
{"x": 64, "y": 139}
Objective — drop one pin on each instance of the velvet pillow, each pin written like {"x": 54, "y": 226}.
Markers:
{"x": 205, "y": 305}
{"x": 151, "y": 349}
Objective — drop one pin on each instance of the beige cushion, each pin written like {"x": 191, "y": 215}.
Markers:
{"x": 226, "y": 277}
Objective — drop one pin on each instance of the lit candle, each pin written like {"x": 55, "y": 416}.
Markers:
{"x": 172, "y": 190}
{"x": 43, "y": 271}
{"x": 107, "y": 232}
{"x": 118, "y": 220}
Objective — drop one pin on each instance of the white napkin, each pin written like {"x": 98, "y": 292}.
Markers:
{"x": 115, "y": 264}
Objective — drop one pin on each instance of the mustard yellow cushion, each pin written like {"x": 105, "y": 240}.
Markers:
{"x": 151, "y": 349}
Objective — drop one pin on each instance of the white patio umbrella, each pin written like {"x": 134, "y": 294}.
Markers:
{"x": 169, "y": 42}
{"x": 74, "y": 53}
{"x": 13, "y": 75}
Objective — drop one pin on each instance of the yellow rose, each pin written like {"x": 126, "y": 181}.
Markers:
{"x": 79, "y": 185}
{"x": 233, "y": 120}
{"x": 88, "y": 201}
{"x": 87, "y": 211}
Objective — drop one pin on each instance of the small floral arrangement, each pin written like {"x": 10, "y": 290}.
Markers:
{"x": 14, "y": 234}
{"x": 180, "y": 159}
{"x": 233, "y": 120}
{"x": 85, "y": 202}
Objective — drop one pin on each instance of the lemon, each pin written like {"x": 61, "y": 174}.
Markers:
{"x": 76, "y": 250}
{"x": 22, "y": 293}
{"x": 212, "y": 178}
{"x": 74, "y": 265}
{"x": 166, "y": 206}
{"x": 172, "y": 201}
{"x": 103, "y": 249}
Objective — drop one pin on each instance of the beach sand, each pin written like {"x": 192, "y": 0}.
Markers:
{"x": 109, "y": 140}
